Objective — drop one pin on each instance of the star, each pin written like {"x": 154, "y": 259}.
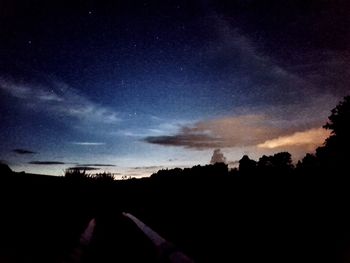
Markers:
{"x": 203, "y": 68}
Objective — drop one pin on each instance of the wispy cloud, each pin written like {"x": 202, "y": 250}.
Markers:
{"x": 89, "y": 143}
{"x": 23, "y": 151}
{"x": 59, "y": 99}
{"x": 86, "y": 168}
{"x": 46, "y": 163}
{"x": 240, "y": 67}
{"x": 313, "y": 138}
{"x": 260, "y": 77}
{"x": 143, "y": 171}
{"x": 99, "y": 165}
{"x": 155, "y": 167}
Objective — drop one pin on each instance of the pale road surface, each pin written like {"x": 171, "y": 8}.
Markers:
{"x": 164, "y": 248}
{"x": 124, "y": 238}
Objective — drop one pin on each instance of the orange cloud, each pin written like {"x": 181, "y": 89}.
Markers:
{"x": 312, "y": 138}
{"x": 260, "y": 133}
{"x": 244, "y": 130}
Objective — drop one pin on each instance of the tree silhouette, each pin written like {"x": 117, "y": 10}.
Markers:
{"x": 309, "y": 163}
{"x": 265, "y": 163}
{"x": 4, "y": 168}
{"x": 334, "y": 153}
{"x": 247, "y": 165}
{"x": 339, "y": 120}
{"x": 279, "y": 162}
{"x": 282, "y": 161}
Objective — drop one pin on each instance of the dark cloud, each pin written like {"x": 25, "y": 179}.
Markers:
{"x": 79, "y": 166}
{"x": 187, "y": 140}
{"x": 98, "y": 165}
{"x": 46, "y": 162}
{"x": 23, "y": 151}
{"x": 86, "y": 168}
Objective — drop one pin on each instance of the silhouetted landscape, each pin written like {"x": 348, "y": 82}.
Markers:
{"x": 266, "y": 210}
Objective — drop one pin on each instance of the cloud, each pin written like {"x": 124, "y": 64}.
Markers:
{"x": 142, "y": 171}
{"x": 258, "y": 75}
{"x": 46, "y": 163}
{"x": 89, "y": 143}
{"x": 218, "y": 157}
{"x": 148, "y": 167}
{"x": 313, "y": 137}
{"x": 86, "y": 168}
{"x": 238, "y": 66}
{"x": 23, "y": 151}
{"x": 262, "y": 133}
{"x": 187, "y": 140}
{"x": 59, "y": 99}
{"x": 99, "y": 165}
{"x": 244, "y": 130}
{"x": 244, "y": 69}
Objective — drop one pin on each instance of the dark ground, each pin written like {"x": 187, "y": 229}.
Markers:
{"x": 215, "y": 219}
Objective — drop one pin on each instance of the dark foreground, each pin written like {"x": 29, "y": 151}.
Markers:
{"x": 211, "y": 219}
{"x": 43, "y": 218}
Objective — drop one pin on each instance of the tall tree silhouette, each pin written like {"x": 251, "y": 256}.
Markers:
{"x": 335, "y": 152}
{"x": 339, "y": 120}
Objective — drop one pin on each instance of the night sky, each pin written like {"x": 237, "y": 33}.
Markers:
{"x": 135, "y": 86}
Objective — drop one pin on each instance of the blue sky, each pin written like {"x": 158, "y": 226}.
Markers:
{"x": 141, "y": 86}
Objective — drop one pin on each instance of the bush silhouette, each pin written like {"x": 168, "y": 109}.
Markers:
{"x": 104, "y": 177}
{"x": 76, "y": 174}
